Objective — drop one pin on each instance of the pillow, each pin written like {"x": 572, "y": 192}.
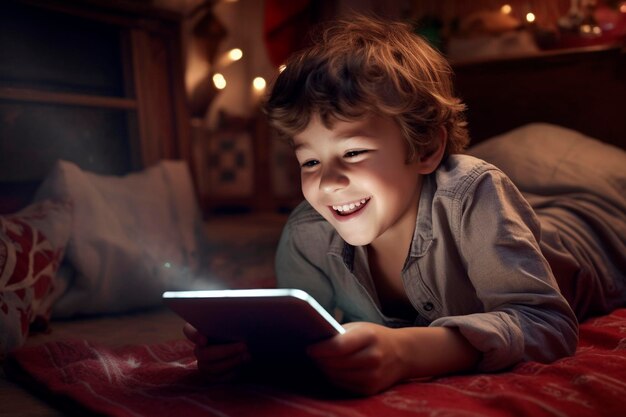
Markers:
{"x": 32, "y": 243}
{"x": 546, "y": 159}
{"x": 132, "y": 237}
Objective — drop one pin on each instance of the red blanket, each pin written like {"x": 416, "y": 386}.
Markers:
{"x": 161, "y": 380}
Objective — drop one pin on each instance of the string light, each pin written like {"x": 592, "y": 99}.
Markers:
{"x": 229, "y": 57}
{"x": 219, "y": 81}
{"x": 235, "y": 54}
{"x": 530, "y": 17}
{"x": 259, "y": 83}
{"x": 506, "y": 9}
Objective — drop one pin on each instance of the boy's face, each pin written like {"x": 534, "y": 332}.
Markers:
{"x": 356, "y": 176}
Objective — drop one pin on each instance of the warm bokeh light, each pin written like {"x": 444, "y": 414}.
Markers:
{"x": 282, "y": 68}
{"x": 229, "y": 57}
{"x": 591, "y": 30}
{"x": 622, "y": 7}
{"x": 235, "y": 54}
{"x": 506, "y": 9}
{"x": 259, "y": 83}
{"x": 219, "y": 81}
{"x": 530, "y": 17}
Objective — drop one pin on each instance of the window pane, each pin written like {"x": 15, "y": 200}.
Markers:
{"x": 34, "y": 136}
{"x": 42, "y": 49}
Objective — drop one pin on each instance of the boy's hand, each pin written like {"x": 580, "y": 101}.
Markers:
{"x": 364, "y": 360}
{"x": 369, "y": 358}
{"x": 218, "y": 362}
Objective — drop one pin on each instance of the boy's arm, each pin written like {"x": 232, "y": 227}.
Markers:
{"x": 370, "y": 358}
{"x": 434, "y": 351}
{"x": 525, "y": 317}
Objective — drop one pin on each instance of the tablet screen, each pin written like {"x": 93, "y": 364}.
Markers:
{"x": 271, "y": 321}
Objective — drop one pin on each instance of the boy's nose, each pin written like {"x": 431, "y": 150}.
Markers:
{"x": 333, "y": 179}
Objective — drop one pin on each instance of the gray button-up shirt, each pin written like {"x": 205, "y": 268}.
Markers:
{"x": 474, "y": 263}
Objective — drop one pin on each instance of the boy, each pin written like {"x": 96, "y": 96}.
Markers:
{"x": 433, "y": 258}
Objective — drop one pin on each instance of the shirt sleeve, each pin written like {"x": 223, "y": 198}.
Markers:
{"x": 298, "y": 258}
{"x": 526, "y": 317}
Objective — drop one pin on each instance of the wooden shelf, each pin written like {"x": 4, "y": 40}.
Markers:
{"x": 39, "y": 96}
{"x": 118, "y": 110}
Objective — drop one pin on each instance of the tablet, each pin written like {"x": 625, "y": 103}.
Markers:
{"x": 271, "y": 321}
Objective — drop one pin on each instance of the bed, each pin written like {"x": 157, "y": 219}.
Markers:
{"x": 134, "y": 361}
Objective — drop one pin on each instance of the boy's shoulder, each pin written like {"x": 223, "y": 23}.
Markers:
{"x": 464, "y": 165}
{"x": 304, "y": 217}
{"x": 311, "y": 233}
{"x": 458, "y": 173}
{"x": 304, "y": 213}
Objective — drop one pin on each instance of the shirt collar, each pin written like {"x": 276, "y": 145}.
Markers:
{"x": 340, "y": 248}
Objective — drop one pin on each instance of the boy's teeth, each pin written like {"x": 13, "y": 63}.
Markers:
{"x": 351, "y": 206}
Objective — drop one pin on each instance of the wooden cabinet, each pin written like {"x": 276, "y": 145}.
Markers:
{"x": 96, "y": 83}
{"x": 580, "y": 88}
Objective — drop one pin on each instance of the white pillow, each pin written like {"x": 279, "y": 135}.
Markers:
{"x": 132, "y": 237}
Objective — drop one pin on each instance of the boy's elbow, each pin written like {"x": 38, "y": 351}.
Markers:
{"x": 570, "y": 338}
{"x": 560, "y": 342}
{"x": 569, "y": 335}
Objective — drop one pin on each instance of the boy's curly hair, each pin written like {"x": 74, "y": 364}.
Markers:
{"x": 363, "y": 65}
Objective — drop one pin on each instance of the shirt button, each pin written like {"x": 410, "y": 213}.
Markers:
{"x": 428, "y": 306}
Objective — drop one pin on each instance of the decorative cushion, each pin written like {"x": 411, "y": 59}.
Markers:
{"x": 32, "y": 243}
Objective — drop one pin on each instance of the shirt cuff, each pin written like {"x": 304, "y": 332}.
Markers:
{"x": 496, "y": 334}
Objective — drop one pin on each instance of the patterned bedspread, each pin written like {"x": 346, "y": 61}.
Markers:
{"x": 161, "y": 379}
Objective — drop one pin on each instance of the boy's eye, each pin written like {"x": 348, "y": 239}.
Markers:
{"x": 352, "y": 154}
{"x": 310, "y": 164}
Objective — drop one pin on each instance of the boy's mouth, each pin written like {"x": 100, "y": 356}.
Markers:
{"x": 352, "y": 207}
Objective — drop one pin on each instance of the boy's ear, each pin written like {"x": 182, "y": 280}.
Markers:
{"x": 430, "y": 160}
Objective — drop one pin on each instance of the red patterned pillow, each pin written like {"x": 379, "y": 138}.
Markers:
{"x": 32, "y": 243}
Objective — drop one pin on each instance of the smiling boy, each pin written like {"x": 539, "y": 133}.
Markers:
{"x": 355, "y": 174}
{"x": 433, "y": 257}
